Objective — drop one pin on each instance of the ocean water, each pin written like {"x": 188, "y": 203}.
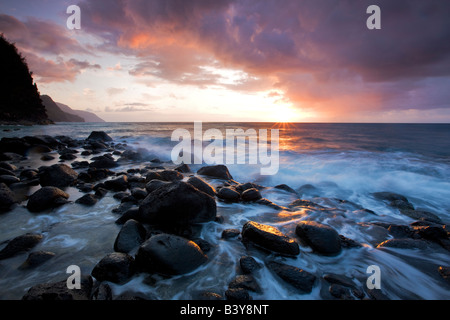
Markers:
{"x": 325, "y": 163}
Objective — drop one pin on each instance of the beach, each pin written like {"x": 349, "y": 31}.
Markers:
{"x": 345, "y": 197}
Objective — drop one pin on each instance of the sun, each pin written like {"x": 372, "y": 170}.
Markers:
{"x": 284, "y": 114}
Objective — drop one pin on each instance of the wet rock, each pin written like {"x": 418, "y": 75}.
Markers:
{"x": 237, "y": 294}
{"x": 403, "y": 244}
{"x": 228, "y": 194}
{"x": 349, "y": 243}
{"x": 218, "y": 171}
{"x": 14, "y": 145}
{"x": 7, "y": 166}
{"x": 59, "y": 291}
{"x": 80, "y": 164}
{"x": 305, "y": 204}
{"x": 130, "y": 236}
{"x": 99, "y": 136}
{"x": 207, "y": 295}
{"x": 117, "y": 184}
{"x": 400, "y": 231}
{"x": 100, "y": 192}
{"x": 154, "y": 184}
{"x": 246, "y": 282}
{"x": 272, "y": 205}
{"x": 8, "y": 180}
{"x": 46, "y": 198}
{"x": 445, "y": 273}
{"x": 421, "y": 215}
{"x": 153, "y": 175}
{"x": 340, "y": 292}
{"x": 248, "y": 264}
{"x": 7, "y": 199}
{"x": 321, "y": 238}
{"x": 20, "y": 244}
{"x": 130, "y": 213}
{"x": 230, "y": 234}
{"x": 43, "y": 140}
{"x": 389, "y": 196}
{"x": 251, "y": 194}
{"x": 67, "y": 156}
{"x": 177, "y": 203}
{"x": 47, "y": 157}
{"x": 183, "y": 168}
{"x": 431, "y": 232}
{"x": 103, "y": 162}
{"x": 344, "y": 281}
{"x": 402, "y": 205}
{"x": 248, "y": 185}
{"x": 170, "y": 175}
{"x": 139, "y": 193}
{"x": 37, "y": 258}
{"x": 58, "y": 175}
{"x": 102, "y": 292}
{"x": 202, "y": 185}
{"x": 169, "y": 254}
{"x": 115, "y": 267}
{"x": 87, "y": 200}
{"x": 269, "y": 238}
{"x": 298, "y": 278}
{"x": 6, "y": 172}
{"x": 286, "y": 188}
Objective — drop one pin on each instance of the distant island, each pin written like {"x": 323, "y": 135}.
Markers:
{"x": 20, "y": 100}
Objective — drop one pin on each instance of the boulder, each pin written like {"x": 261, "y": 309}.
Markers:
{"x": 248, "y": 264}
{"x": 228, "y": 194}
{"x": 389, "y": 196}
{"x": 36, "y": 258}
{"x": 404, "y": 244}
{"x": 286, "y": 188}
{"x": 103, "y": 162}
{"x": 58, "y": 175}
{"x": 117, "y": 184}
{"x": 46, "y": 198}
{"x": 251, "y": 194}
{"x": 247, "y": 282}
{"x": 237, "y": 294}
{"x": 6, "y": 198}
{"x": 59, "y": 291}
{"x": 87, "y": 200}
{"x": 14, "y": 145}
{"x": 230, "y": 233}
{"x": 321, "y": 238}
{"x": 8, "y": 180}
{"x": 99, "y": 136}
{"x": 269, "y": 238}
{"x": 170, "y": 175}
{"x": 202, "y": 185}
{"x": 177, "y": 203}
{"x": 115, "y": 267}
{"x": 130, "y": 236}
{"x": 154, "y": 184}
{"x": 298, "y": 278}
{"x": 217, "y": 171}
{"x": 170, "y": 255}
{"x": 20, "y": 244}
{"x": 421, "y": 215}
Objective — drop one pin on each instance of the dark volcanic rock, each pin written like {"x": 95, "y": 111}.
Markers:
{"x": 298, "y": 278}
{"x": 130, "y": 236}
{"x": 421, "y": 215}
{"x": 117, "y": 184}
{"x": 99, "y": 136}
{"x": 237, "y": 294}
{"x": 103, "y": 162}
{"x": 389, "y": 196}
{"x": 6, "y": 198}
{"x": 154, "y": 184}
{"x": 270, "y": 238}
{"x": 202, "y": 185}
{"x": 46, "y": 198}
{"x": 87, "y": 200}
{"x": 116, "y": 267}
{"x": 285, "y": 188}
{"x": 251, "y": 194}
{"x": 230, "y": 233}
{"x": 58, "y": 175}
{"x": 20, "y": 244}
{"x": 248, "y": 264}
{"x": 170, "y": 175}
{"x": 169, "y": 254}
{"x": 177, "y": 203}
{"x": 404, "y": 244}
{"x": 59, "y": 291}
{"x": 36, "y": 258}
{"x": 218, "y": 171}
{"x": 246, "y": 282}
{"x": 321, "y": 238}
{"x": 228, "y": 194}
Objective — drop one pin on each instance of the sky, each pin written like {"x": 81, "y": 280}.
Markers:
{"x": 239, "y": 60}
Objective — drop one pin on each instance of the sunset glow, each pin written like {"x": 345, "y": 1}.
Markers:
{"x": 296, "y": 61}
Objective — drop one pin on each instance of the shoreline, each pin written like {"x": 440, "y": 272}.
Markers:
{"x": 195, "y": 199}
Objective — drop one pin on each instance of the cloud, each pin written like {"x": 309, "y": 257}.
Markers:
{"x": 131, "y": 107}
{"x": 115, "y": 91}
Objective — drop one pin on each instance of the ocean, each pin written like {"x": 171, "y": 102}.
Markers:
{"x": 338, "y": 166}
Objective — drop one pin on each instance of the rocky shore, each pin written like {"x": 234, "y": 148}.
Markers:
{"x": 163, "y": 209}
